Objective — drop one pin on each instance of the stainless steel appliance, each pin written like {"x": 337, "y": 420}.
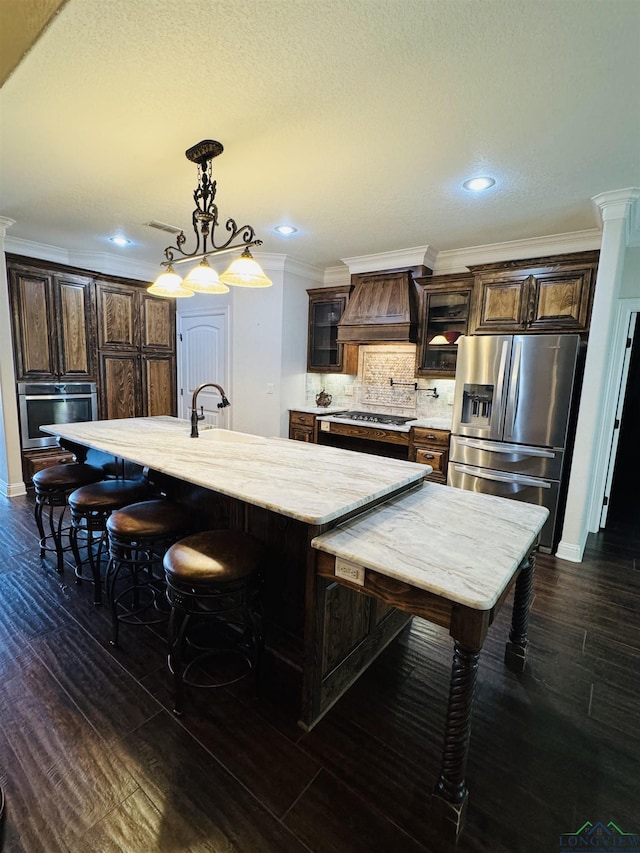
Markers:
{"x": 53, "y": 403}
{"x": 374, "y": 418}
{"x": 511, "y": 416}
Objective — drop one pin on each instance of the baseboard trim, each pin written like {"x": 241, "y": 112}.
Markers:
{"x": 12, "y": 490}
{"x": 570, "y": 551}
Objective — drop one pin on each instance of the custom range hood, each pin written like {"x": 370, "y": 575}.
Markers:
{"x": 382, "y": 308}
{"x": 383, "y": 305}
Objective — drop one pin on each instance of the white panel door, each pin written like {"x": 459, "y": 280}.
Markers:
{"x": 203, "y": 356}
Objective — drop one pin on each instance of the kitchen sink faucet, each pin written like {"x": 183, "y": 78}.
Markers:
{"x": 195, "y": 417}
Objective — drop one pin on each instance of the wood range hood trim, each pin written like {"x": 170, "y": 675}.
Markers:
{"x": 382, "y": 308}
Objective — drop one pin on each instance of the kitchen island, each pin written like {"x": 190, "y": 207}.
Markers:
{"x": 337, "y": 524}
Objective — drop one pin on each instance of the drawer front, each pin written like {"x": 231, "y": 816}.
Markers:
{"x": 301, "y": 434}
{"x": 424, "y": 435}
{"x": 436, "y": 458}
{"x": 305, "y": 418}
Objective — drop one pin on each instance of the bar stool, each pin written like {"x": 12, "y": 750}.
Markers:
{"x": 216, "y": 575}
{"x": 139, "y": 535}
{"x": 90, "y": 507}
{"x": 53, "y": 486}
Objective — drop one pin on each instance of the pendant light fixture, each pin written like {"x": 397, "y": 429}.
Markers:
{"x": 243, "y": 272}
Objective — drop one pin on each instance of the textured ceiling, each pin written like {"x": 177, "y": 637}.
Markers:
{"x": 356, "y": 121}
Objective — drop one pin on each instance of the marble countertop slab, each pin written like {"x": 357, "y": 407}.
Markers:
{"x": 319, "y": 410}
{"x": 433, "y": 423}
{"x": 309, "y": 482}
{"x": 461, "y": 545}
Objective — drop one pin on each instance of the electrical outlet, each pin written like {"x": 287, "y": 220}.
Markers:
{"x": 450, "y": 398}
{"x": 269, "y": 387}
{"x": 349, "y": 571}
{"x": 348, "y": 391}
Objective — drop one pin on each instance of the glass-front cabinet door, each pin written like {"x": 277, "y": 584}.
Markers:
{"x": 326, "y": 306}
{"x": 445, "y": 318}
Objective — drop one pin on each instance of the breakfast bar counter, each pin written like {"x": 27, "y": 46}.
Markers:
{"x": 357, "y": 545}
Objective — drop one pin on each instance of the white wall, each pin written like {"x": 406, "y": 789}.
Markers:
{"x": 269, "y": 346}
{"x": 603, "y": 366}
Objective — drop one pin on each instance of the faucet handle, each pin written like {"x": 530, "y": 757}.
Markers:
{"x": 200, "y": 416}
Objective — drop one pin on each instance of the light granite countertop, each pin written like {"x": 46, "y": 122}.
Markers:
{"x": 319, "y": 410}
{"x": 462, "y": 545}
{"x": 309, "y": 482}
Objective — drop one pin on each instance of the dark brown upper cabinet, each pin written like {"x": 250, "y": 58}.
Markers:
{"x": 136, "y": 339}
{"x": 550, "y": 294}
{"x": 324, "y": 353}
{"x": 445, "y": 302}
{"x": 53, "y": 324}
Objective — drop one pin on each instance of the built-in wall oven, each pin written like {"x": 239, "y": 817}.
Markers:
{"x": 53, "y": 403}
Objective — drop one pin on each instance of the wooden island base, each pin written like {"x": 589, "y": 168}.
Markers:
{"x": 468, "y": 627}
{"x": 448, "y": 556}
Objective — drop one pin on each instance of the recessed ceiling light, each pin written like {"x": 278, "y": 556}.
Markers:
{"x": 478, "y": 184}
{"x": 285, "y": 230}
{"x": 119, "y": 240}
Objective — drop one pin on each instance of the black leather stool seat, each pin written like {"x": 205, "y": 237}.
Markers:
{"x": 216, "y": 574}
{"x": 52, "y": 488}
{"x": 91, "y": 506}
{"x": 66, "y": 477}
{"x": 215, "y": 556}
{"x": 139, "y": 534}
{"x": 107, "y": 495}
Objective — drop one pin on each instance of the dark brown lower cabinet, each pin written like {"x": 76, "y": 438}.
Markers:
{"x": 36, "y": 460}
{"x": 302, "y": 426}
{"x": 159, "y": 384}
{"x": 137, "y": 386}
{"x": 119, "y": 385}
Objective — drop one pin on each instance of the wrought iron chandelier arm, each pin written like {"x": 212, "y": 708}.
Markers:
{"x": 204, "y": 219}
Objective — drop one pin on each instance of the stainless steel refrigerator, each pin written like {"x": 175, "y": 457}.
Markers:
{"x": 511, "y": 414}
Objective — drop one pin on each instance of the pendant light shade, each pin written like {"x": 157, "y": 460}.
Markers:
{"x": 209, "y": 240}
{"x": 169, "y": 284}
{"x": 245, "y": 272}
{"x": 204, "y": 279}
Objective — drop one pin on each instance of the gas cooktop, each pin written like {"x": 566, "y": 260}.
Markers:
{"x": 373, "y": 418}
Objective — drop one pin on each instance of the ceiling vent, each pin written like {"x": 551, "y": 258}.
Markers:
{"x": 163, "y": 226}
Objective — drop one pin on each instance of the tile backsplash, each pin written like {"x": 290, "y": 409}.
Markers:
{"x": 371, "y": 390}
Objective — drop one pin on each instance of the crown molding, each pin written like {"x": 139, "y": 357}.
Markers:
{"x": 293, "y": 266}
{"x": 100, "y": 262}
{"x": 458, "y": 260}
{"x": 416, "y": 256}
{"x": 336, "y": 276}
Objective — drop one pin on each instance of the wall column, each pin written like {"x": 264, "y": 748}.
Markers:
{"x": 11, "y": 482}
{"x": 590, "y": 454}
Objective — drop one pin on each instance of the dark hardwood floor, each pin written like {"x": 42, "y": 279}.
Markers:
{"x": 92, "y": 759}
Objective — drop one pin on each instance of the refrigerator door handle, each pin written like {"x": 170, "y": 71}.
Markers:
{"x": 514, "y": 388}
{"x": 502, "y": 370}
{"x": 500, "y": 477}
{"x": 492, "y": 446}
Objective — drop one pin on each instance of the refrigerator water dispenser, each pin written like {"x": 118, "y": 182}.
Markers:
{"x": 477, "y": 401}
